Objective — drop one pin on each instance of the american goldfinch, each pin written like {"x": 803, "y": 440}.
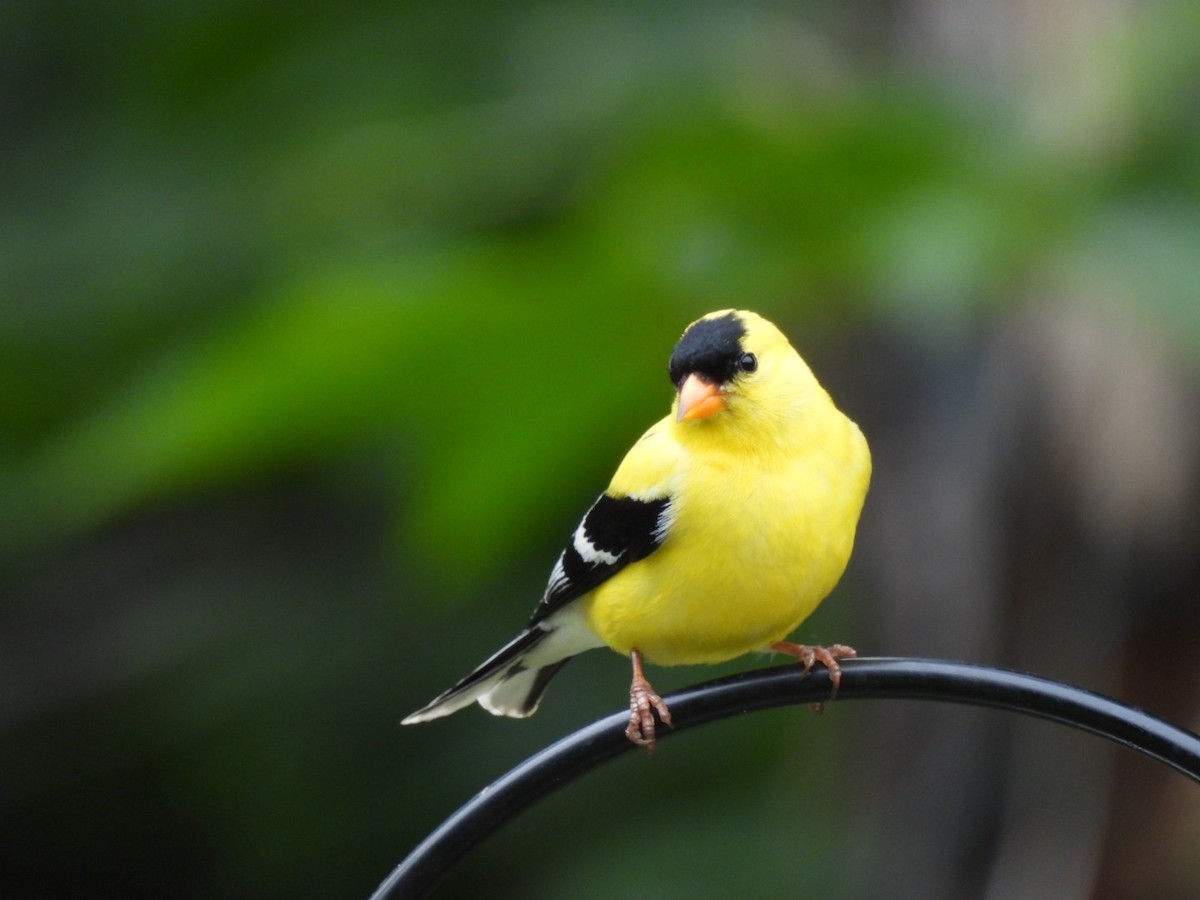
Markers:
{"x": 721, "y": 531}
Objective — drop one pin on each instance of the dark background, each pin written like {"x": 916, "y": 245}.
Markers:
{"x": 321, "y": 323}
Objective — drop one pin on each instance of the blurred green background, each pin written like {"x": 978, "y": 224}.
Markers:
{"x": 320, "y": 325}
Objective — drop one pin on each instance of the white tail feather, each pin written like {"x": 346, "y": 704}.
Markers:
{"x": 511, "y": 682}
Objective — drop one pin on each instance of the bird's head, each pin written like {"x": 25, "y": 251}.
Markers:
{"x": 734, "y": 364}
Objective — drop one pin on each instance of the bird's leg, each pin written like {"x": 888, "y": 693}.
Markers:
{"x": 642, "y": 698}
{"x": 826, "y": 656}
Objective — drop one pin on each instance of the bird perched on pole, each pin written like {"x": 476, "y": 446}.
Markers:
{"x": 723, "y": 528}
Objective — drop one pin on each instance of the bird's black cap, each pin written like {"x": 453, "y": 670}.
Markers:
{"x": 711, "y": 348}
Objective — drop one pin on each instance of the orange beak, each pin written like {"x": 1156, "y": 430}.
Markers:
{"x": 699, "y": 399}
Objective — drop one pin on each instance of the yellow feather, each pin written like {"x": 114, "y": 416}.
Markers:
{"x": 766, "y": 499}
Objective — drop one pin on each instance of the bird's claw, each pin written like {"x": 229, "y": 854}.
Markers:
{"x": 826, "y": 656}
{"x": 643, "y": 703}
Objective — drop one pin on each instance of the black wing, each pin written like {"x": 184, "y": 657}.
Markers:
{"x": 614, "y": 532}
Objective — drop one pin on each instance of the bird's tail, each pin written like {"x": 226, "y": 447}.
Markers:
{"x": 509, "y": 683}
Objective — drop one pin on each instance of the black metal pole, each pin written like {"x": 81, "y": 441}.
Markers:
{"x": 918, "y": 679}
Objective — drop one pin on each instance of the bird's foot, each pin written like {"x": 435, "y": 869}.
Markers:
{"x": 644, "y": 701}
{"x": 642, "y": 727}
{"x": 826, "y": 656}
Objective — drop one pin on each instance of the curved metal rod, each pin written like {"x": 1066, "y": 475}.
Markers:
{"x": 919, "y": 679}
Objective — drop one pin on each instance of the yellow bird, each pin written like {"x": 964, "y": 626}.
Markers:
{"x": 722, "y": 529}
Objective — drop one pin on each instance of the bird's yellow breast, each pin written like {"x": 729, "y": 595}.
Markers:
{"x": 757, "y": 538}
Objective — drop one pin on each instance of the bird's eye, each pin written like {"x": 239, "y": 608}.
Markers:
{"x": 748, "y": 362}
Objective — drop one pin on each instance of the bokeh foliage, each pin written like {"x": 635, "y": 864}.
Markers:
{"x": 320, "y": 324}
